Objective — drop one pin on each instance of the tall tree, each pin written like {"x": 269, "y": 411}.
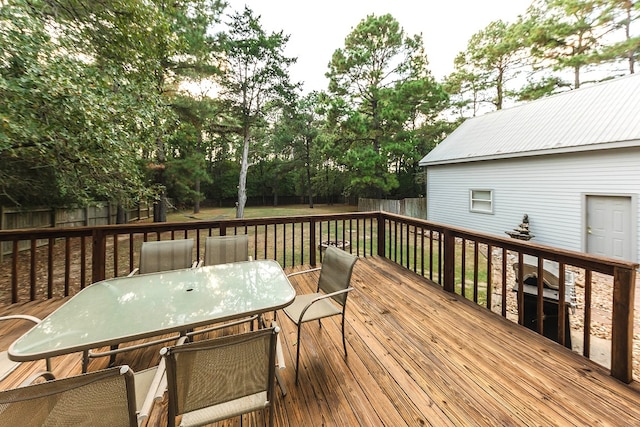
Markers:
{"x": 493, "y": 57}
{"x": 622, "y": 16}
{"x": 256, "y": 76}
{"x": 567, "y": 34}
{"x": 377, "y": 82}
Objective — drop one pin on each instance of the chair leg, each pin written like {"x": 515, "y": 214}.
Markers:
{"x": 344, "y": 341}
{"x": 85, "y": 361}
{"x": 298, "y": 352}
{"x": 112, "y": 358}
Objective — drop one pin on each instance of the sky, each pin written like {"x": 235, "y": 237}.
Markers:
{"x": 318, "y": 28}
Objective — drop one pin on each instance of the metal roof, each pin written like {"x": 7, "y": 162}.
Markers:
{"x": 604, "y": 115}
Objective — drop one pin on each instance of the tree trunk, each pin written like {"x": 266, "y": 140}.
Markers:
{"x": 309, "y": 189}
{"x": 121, "y": 215}
{"x": 160, "y": 209}
{"x": 242, "y": 184}
{"x": 196, "y": 203}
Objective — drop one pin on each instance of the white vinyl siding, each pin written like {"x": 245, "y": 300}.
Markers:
{"x": 481, "y": 201}
{"x": 551, "y": 190}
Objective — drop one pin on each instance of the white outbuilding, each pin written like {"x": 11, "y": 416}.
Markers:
{"x": 571, "y": 162}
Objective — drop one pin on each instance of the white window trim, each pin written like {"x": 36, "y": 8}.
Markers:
{"x": 477, "y": 204}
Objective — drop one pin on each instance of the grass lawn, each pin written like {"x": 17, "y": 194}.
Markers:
{"x": 336, "y": 230}
{"x": 258, "y": 212}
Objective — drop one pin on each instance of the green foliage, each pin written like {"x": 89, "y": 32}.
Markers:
{"x": 493, "y": 58}
{"x": 566, "y": 34}
{"x": 71, "y": 131}
{"x": 380, "y": 93}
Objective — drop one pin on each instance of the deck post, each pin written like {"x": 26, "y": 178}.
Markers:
{"x": 98, "y": 255}
{"x": 622, "y": 324}
{"x": 448, "y": 281}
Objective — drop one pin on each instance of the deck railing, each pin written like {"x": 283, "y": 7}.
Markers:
{"x": 469, "y": 264}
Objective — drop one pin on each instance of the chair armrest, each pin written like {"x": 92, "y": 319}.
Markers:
{"x": 33, "y": 319}
{"x": 321, "y": 297}
{"x": 21, "y": 317}
{"x": 295, "y": 273}
{"x": 47, "y": 375}
{"x": 279, "y": 353}
{"x": 94, "y": 354}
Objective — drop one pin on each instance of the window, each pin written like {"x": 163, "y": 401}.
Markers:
{"x": 481, "y": 201}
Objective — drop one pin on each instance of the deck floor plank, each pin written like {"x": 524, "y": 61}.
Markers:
{"x": 416, "y": 356}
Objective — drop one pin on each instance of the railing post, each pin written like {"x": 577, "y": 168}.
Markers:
{"x": 312, "y": 242}
{"x": 448, "y": 280}
{"x": 381, "y": 235}
{"x": 622, "y": 324}
{"x": 98, "y": 256}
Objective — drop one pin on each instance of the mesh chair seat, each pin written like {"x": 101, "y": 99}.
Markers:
{"x": 225, "y": 410}
{"x": 318, "y": 310}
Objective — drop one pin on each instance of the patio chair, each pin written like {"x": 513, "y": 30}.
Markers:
{"x": 164, "y": 255}
{"x": 330, "y": 298}
{"x": 217, "y": 379}
{"x": 112, "y": 397}
{"x": 7, "y": 365}
{"x": 224, "y": 249}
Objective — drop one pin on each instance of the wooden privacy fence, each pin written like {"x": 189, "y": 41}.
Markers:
{"x": 465, "y": 263}
{"x": 415, "y": 208}
{"x": 99, "y": 214}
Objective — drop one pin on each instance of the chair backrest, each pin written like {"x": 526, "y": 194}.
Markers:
{"x": 206, "y": 373}
{"x": 224, "y": 249}
{"x": 100, "y": 398}
{"x": 335, "y": 274}
{"x": 166, "y": 255}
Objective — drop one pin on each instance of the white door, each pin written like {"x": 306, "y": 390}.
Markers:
{"x": 609, "y": 228}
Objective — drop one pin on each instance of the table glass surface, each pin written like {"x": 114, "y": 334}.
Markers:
{"x": 127, "y": 308}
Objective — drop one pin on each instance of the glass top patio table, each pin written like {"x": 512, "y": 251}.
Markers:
{"x": 124, "y": 309}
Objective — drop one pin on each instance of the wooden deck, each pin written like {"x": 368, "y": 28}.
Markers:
{"x": 417, "y": 356}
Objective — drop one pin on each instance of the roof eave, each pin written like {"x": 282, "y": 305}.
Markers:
{"x": 544, "y": 152}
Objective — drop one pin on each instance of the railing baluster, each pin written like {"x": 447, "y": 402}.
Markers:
{"x": 476, "y": 249}
{"x": 115, "y": 255}
{"x": 504, "y": 283}
{"x": 32, "y": 270}
{"x": 489, "y": 275}
{"x": 463, "y": 268}
{"x": 50, "y": 268}
{"x": 67, "y": 265}
{"x": 586, "y": 351}
{"x": 83, "y": 262}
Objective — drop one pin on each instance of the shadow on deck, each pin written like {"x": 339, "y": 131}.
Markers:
{"x": 417, "y": 356}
